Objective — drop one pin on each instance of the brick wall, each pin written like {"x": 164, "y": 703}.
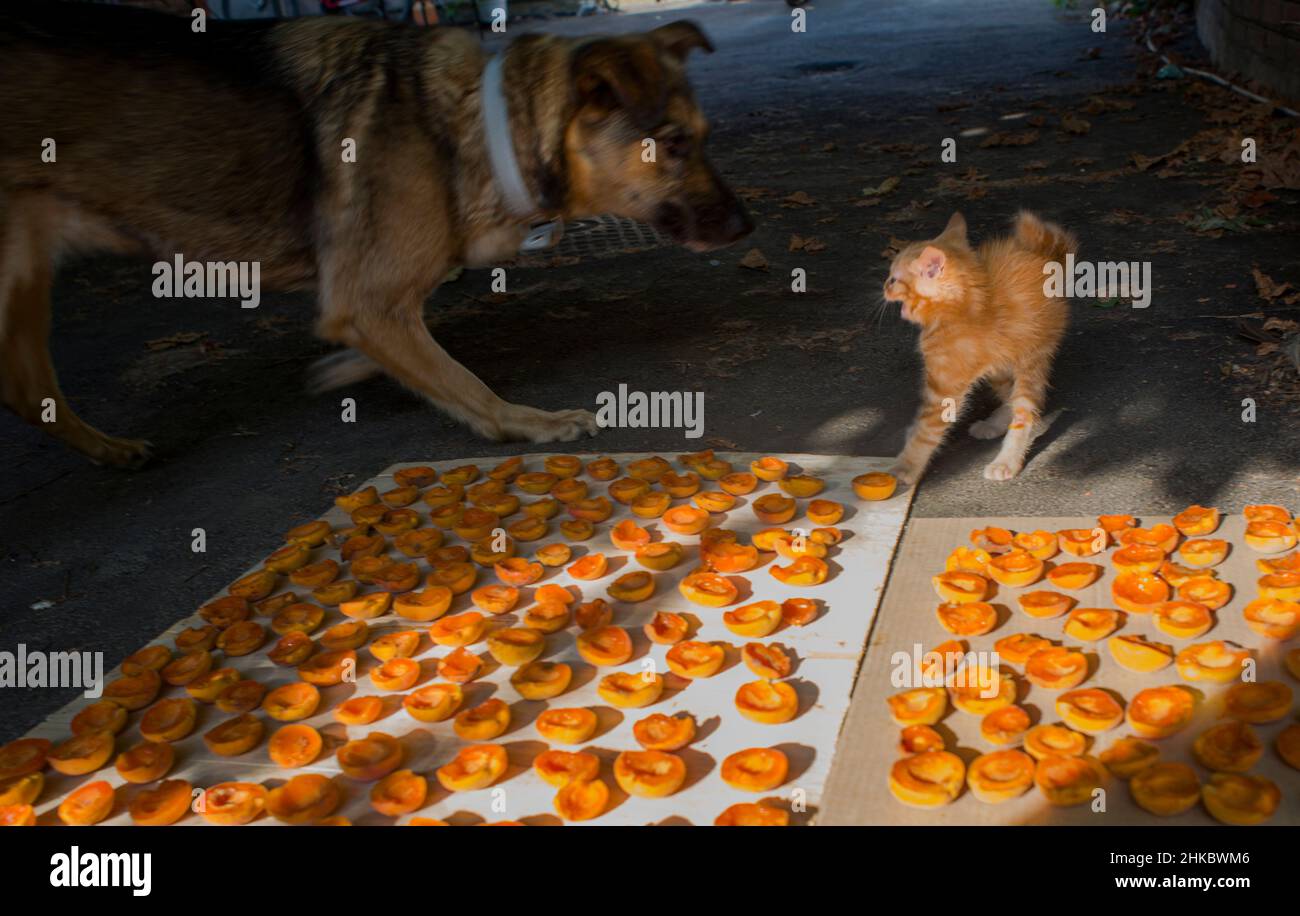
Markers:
{"x": 1259, "y": 39}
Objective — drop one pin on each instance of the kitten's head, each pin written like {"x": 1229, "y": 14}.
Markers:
{"x": 928, "y": 277}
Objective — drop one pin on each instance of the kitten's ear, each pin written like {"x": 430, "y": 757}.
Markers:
{"x": 956, "y": 228}
{"x": 930, "y": 262}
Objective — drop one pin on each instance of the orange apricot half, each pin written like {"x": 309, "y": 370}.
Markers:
{"x": 161, "y": 806}
{"x": 559, "y": 768}
{"x": 1139, "y": 594}
{"x": 756, "y": 769}
{"x": 1158, "y": 712}
{"x": 767, "y": 702}
{"x": 370, "y": 758}
{"x": 649, "y": 774}
{"x": 927, "y": 780}
{"x": 474, "y": 767}
{"x": 87, "y": 805}
{"x": 1089, "y": 710}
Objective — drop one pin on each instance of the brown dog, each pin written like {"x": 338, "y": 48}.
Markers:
{"x": 128, "y": 131}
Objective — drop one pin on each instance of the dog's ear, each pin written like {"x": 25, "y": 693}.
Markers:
{"x": 614, "y": 73}
{"x": 679, "y": 38}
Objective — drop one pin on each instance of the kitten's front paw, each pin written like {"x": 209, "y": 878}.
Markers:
{"x": 905, "y": 474}
{"x": 1001, "y": 470}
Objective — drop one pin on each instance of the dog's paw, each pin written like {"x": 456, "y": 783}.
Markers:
{"x": 346, "y": 367}
{"x": 533, "y": 425}
{"x": 128, "y": 454}
{"x": 1001, "y": 470}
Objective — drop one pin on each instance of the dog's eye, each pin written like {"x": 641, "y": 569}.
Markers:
{"x": 677, "y": 145}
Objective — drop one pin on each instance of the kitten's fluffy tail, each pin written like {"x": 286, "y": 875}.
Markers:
{"x": 1047, "y": 239}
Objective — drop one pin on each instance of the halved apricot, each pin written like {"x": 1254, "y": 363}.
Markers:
{"x": 350, "y": 634}
{"x": 460, "y": 667}
{"x": 1228, "y": 747}
{"x": 1000, "y": 776}
{"x": 291, "y": 702}
{"x": 1129, "y": 756}
{"x": 359, "y": 710}
{"x": 649, "y": 774}
{"x": 582, "y": 800}
{"x": 928, "y": 779}
{"x": 1016, "y": 648}
{"x": 433, "y": 702}
{"x": 1056, "y": 668}
{"x": 370, "y": 758}
{"x": 592, "y": 566}
{"x": 1197, "y": 521}
{"x": 559, "y": 768}
{"x": 1137, "y": 653}
{"x": 666, "y": 628}
{"x": 1267, "y": 536}
{"x": 495, "y": 599}
{"x": 917, "y": 739}
{"x": 233, "y": 803}
{"x": 169, "y": 719}
{"x": 1005, "y": 725}
{"x": 1040, "y": 544}
{"x": 805, "y": 571}
{"x": 756, "y": 769}
{"x": 632, "y": 587}
{"x": 1139, "y": 594}
{"x": 768, "y": 702}
{"x": 81, "y": 754}
{"x": 1082, "y": 542}
{"x": 294, "y": 746}
{"x": 605, "y": 645}
{"x": 1183, "y": 619}
{"x": 774, "y": 509}
{"x": 596, "y": 509}
{"x": 918, "y": 706}
{"x": 1158, "y": 712}
{"x": 630, "y": 691}
{"x": 1213, "y": 593}
{"x": 1215, "y": 661}
{"x": 1282, "y": 586}
{"x": 758, "y": 618}
{"x": 768, "y": 468}
{"x": 1089, "y": 710}
{"x": 1240, "y": 799}
{"x": 660, "y": 556}
{"x": 1163, "y": 536}
{"x": 1048, "y": 740}
{"x": 958, "y": 587}
{"x": 1015, "y": 568}
{"x": 799, "y": 612}
{"x": 474, "y": 767}
{"x": 483, "y": 722}
{"x": 708, "y": 589}
{"x": 1089, "y": 624}
{"x": 162, "y": 806}
{"x": 1138, "y": 559}
{"x": 1266, "y": 513}
{"x": 541, "y": 680}
{"x": 1074, "y": 575}
{"x": 136, "y": 691}
{"x": 99, "y": 717}
{"x": 459, "y": 629}
{"x": 1258, "y": 702}
{"x": 1273, "y": 617}
{"x": 692, "y": 659}
{"x": 1201, "y": 552}
{"x": 1067, "y": 781}
{"x": 978, "y": 688}
{"x": 1044, "y": 604}
{"x": 234, "y": 736}
{"x": 145, "y": 762}
{"x": 547, "y": 617}
{"x": 87, "y": 805}
{"x": 767, "y": 661}
{"x": 304, "y": 799}
{"x": 292, "y": 650}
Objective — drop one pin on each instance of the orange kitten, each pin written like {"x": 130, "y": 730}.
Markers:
{"x": 983, "y": 315}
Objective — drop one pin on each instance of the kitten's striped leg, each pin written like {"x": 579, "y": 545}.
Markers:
{"x": 1026, "y": 406}
{"x": 941, "y": 405}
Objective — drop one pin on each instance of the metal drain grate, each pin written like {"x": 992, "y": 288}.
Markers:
{"x": 605, "y": 236}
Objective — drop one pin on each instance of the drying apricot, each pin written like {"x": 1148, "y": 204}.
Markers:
{"x": 1074, "y": 575}
{"x": 1137, "y": 653}
{"x": 1211, "y": 661}
{"x": 370, "y": 758}
{"x": 433, "y": 702}
{"x": 1158, "y": 712}
{"x": 1089, "y": 710}
{"x": 541, "y": 680}
{"x": 162, "y": 806}
{"x": 666, "y": 628}
{"x": 1229, "y": 747}
{"x": 1056, "y": 668}
{"x": 87, "y": 805}
{"x": 1051, "y": 740}
{"x": 169, "y": 720}
{"x": 460, "y": 667}
{"x": 1182, "y": 619}
{"x": 145, "y": 762}
{"x": 1067, "y": 781}
{"x": 559, "y": 768}
{"x": 1089, "y": 624}
{"x": 1000, "y": 776}
{"x": 233, "y": 803}
{"x": 691, "y": 659}
{"x": 649, "y": 774}
{"x": 359, "y": 710}
{"x": 474, "y": 767}
{"x": 1018, "y": 647}
{"x": 972, "y": 619}
{"x": 483, "y": 722}
{"x": 767, "y": 661}
{"x": 1240, "y": 799}
{"x": 928, "y": 779}
{"x": 81, "y": 754}
{"x": 234, "y": 736}
{"x": 1270, "y": 536}
{"x": 459, "y": 629}
{"x": 1212, "y": 593}
{"x": 768, "y": 702}
{"x": 957, "y": 587}
{"x": 1139, "y": 594}
{"x": 630, "y": 691}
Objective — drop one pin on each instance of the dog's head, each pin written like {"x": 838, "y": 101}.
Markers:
{"x": 635, "y": 144}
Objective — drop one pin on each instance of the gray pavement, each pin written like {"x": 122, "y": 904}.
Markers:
{"x": 1148, "y": 401}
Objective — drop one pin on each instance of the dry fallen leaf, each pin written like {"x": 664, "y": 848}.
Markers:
{"x": 754, "y": 260}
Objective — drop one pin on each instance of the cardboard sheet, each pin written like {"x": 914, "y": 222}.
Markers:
{"x": 858, "y": 792}
{"x": 827, "y": 652}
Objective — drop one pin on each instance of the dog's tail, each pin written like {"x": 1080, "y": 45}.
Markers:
{"x": 1044, "y": 238}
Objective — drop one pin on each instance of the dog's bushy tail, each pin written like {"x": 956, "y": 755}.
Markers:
{"x": 1044, "y": 238}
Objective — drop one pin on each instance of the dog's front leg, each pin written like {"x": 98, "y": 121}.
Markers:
{"x": 394, "y": 338}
